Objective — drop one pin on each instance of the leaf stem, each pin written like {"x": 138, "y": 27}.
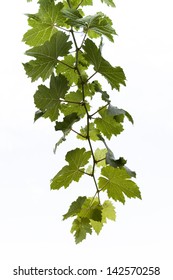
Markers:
{"x": 99, "y": 110}
{"x": 92, "y": 76}
{"x": 79, "y": 4}
{"x": 78, "y": 133}
{"x": 60, "y": 61}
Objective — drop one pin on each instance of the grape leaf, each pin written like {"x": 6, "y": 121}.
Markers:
{"x": 46, "y": 56}
{"x": 93, "y": 133}
{"x": 43, "y": 24}
{"x": 97, "y": 226}
{"x": 117, "y": 183}
{"x": 48, "y": 100}
{"x": 72, "y": 172}
{"x": 99, "y": 23}
{"x": 38, "y": 115}
{"x": 65, "y": 127}
{"x": 80, "y": 228}
{"x": 66, "y": 67}
{"x": 74, "y": 103}
{"x": 100, "y": 156}
{"x": 98, "y": 88}
{"x": 110, "y": 159}
{"x": 114, "y": 75}
{"x": 76, "y": 3}
{"x": 108, "y": 125}
{"x": 108, "y": 212}
{"x": 67, "y": 123}
{"x": 109, "y": 2}
{"x": 114, "y": 111}
{"x": 91, "y": 209}
{"x": 75, "y": 207}
{"x": 71, "y": 14}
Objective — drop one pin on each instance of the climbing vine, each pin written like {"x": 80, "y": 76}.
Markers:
{"x": 66, "y": 49}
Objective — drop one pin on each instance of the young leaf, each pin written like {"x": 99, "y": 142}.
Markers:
{"x": 46, "y": 56}
{"x": 100, "y": 156}
{"x": 117, "y": 183}
{"x": 80, "y": 228}
{"x": 76, "y": 159}
{"x": 74, "y": 103}
{"x": 91, "y": 209}
{"x": 48, "y": 100}
{"x": 93, "y": 133}
{"x": 75, "y": 207}
{"x": 67, "y": 68}
{"x": 108, "y": 211}
{"x": 108, "y": 125}
{"x": 114, "y": 75}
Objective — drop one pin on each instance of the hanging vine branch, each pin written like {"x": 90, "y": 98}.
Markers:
{"x": 71, "y": 63}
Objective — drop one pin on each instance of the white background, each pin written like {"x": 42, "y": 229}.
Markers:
{"x": 32, "y": 233}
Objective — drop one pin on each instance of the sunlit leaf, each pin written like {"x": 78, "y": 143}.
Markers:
{"x": 117, "y": 183}
{"x": 76, "y": 159}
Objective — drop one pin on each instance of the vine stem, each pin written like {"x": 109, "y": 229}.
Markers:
{"x": 85, "y": 106}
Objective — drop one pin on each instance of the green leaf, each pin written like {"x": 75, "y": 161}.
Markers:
{"x": 73, "y": 171}
{"x": 116, "y": 163}
{"x": 38, "y": 115}
{"x": 100, "y": 156}
{"x": 97, "y": 226}
{"x": 108, "y": 125}
{"x": 65, "y": 127}
{"x": 114, "y": 75}
{"x": 39, "y": 34}
{"x": 93, "y": 133}
{"x": 99, "y": 23}
{"x": 98, "y": 88}
{"x": 76, "y": 3}
{"x": 67, "y": 123}
{"x": 75, "y": 207}
{"x": 80, "y": 228}
{"x": 102, "y": 25}
{"x": 43, "y": 24}
{"x": 117, "y": 183}
{"x": 48, "y": 100}
{"x": 67, "y": 68}
{"x": 108, "y": 2}
{"x": 51, "y": 13}
{"x": 91, "y": 209}
{"x": 114, "y": 111}
{"x": 74, "y": 103}
{"x": 47, "y": 56}
{"x": 110, "y": 159}
{"x": 108, "y": 211}
{"x": 71, "y": 14}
